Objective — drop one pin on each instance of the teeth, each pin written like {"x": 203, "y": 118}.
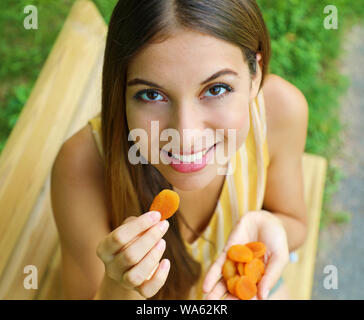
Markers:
{"x": 191, "y": 157}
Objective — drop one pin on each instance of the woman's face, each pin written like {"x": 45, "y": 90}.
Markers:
{"x": 177, "y": 93}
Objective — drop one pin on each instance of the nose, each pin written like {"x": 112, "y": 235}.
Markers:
{"x": 190, "y": 122}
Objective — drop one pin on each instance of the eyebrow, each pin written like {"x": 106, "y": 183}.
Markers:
{"x": 218, "y": 74}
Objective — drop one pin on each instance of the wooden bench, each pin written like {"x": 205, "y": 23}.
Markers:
{"x": 65, "y": 96}
{"x": 299, "y": 275}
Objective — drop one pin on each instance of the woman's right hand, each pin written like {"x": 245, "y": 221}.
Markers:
{"x": 132, "y": 252}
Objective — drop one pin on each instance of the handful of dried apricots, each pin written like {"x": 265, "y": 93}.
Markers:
{"x": 243, "y": 269}
{"x": 244, "y": 266}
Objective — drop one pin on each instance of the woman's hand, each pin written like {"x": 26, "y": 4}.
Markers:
{"x": 253, "y": 226}
{"x": 131, "y": 254}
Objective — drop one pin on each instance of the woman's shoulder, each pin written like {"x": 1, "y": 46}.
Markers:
{"x": 286, "y": 111}
{"x": 78, "y": 165}
{"x": 77, "y": 177}
{"x": 80, "y": 210}
{"x": 81, "y": 150}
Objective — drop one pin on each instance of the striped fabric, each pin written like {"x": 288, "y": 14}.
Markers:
{"x": 242, "y": 191}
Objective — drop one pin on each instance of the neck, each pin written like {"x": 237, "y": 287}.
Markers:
{"x": 198, "y": 206}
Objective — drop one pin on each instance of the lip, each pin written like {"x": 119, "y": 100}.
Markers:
{"x": 184, "y": 167}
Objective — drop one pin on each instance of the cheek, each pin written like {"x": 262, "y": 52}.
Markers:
{"x": 145, "y": 131}
{"x": 139, "y": 130}
{"x": 238, "y": 120}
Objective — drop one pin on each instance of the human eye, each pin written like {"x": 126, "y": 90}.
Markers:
{"x": 219, "y": 90}
{"x": 148, "y": 95}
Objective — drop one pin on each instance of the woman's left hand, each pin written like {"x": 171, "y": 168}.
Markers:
{"x": 253, "y": 226}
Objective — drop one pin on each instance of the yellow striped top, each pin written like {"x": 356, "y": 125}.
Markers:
{"x": 242, "y": 191}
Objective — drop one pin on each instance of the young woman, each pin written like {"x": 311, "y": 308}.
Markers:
{"x": 189, "y": 66}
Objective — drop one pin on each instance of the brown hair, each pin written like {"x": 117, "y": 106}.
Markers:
{"x": 135, "y": 23}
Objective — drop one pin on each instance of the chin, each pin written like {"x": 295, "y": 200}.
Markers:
{"x": 189, "y": 181}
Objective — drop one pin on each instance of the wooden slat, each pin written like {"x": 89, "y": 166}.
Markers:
{"x": 45, "y": 228}
{"x": 51, "y": 285}
{"x": 40, "y": 227}
{"x": 298, "y": 276}
{"x": 55, "y": 110}
{"x": 35, "y": 247}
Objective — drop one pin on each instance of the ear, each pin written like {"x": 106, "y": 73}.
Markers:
{"x": 257, "y": 78}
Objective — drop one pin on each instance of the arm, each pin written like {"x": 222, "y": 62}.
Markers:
{"x": 80, "y": 212}
{"x": 287, "y": 119}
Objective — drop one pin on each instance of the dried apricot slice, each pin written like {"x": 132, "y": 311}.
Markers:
{"x": 258, "y": 248}
{"x": 228, "y": 269}
{"x": 254, "y": 269}
{"x": 245, "y": 288}
{"x": 240, "y": 253}
{"x": 240, "y": 268}
{"x": 166, "y": 202}
{"x": 231, "y": 284}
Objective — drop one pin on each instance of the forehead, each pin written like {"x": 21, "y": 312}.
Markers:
{"x": 187, "y": 53}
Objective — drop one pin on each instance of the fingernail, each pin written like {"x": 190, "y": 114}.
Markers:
{"x": 165, "y": 264}
{"x": 163, "y": 225}
{"x": 161, "y": 244}
{"x": 155, "y": 216}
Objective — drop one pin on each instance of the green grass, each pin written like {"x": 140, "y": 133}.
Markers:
{"x": 23, "y": 52}
{"x": 304, "y": 53}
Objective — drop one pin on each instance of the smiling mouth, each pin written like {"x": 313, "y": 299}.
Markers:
{"x": 190, "y": 158}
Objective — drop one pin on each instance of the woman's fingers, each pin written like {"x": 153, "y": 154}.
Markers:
{"x": 271, "y": 275}
{"x": 146, "y": 241}
{"x": 125, "y": 233}
{"x": 217, "y": 292}
{"x": 150, "y": 287}
{"x": 130, "y": 218}
{"x": 139, "y": 273}
{"x": 138, "y": 250}
{"x": 231, "y": 297}
{"x": 214, "y": 273}
{"x": 122, "y": 235}
{"x": 140, "y": 247}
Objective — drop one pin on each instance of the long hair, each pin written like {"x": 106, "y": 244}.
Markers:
{"x": 134, "y": 24}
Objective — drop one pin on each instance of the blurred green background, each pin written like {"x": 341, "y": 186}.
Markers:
{"x": 304, "y": 53}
